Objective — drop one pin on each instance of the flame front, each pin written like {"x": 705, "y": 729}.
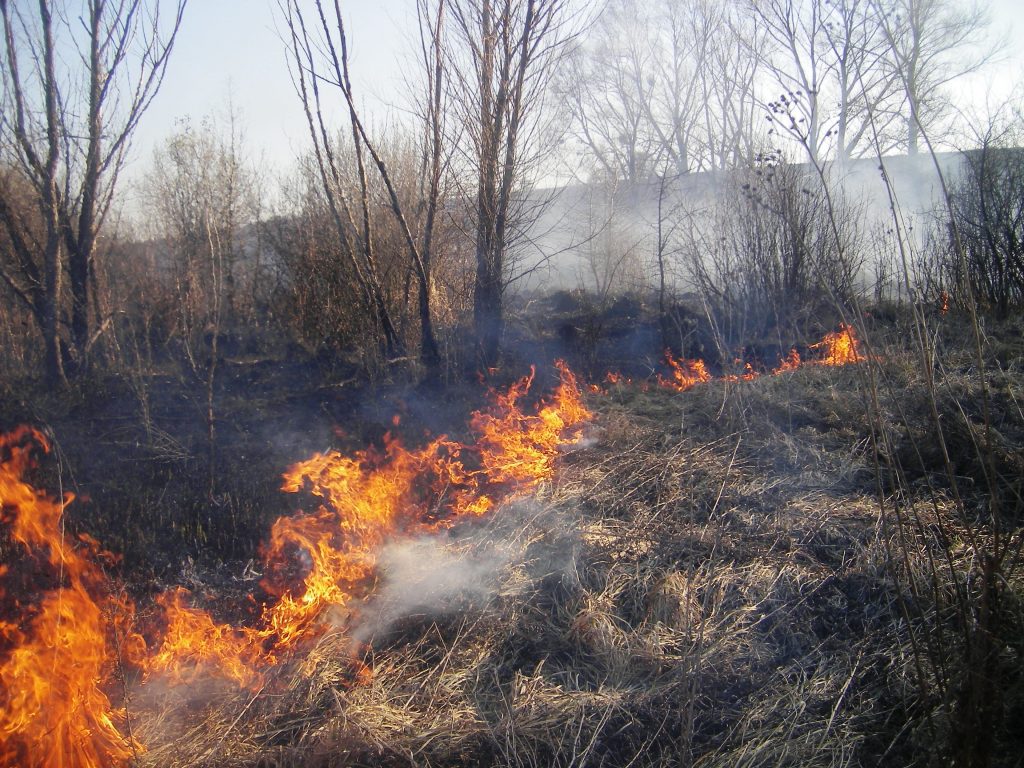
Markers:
{"x": 363, "y": 500}
{"x": 684, "y": 373}
{"x": 54, "y": 712}
{"x": 789, "y": 363}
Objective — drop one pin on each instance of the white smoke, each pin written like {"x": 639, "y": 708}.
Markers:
{"x": 429, "y": 576}
{"x": 441, "y": 574}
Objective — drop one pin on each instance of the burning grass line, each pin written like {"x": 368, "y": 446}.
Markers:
{"x": 516, "y": 452}
{"x": 840, "y": 348}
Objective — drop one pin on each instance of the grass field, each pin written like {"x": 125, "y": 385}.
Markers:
{"x": 785, "y": 571}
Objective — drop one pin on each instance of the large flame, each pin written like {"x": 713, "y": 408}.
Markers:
{"x": 54, "y": 660}
{"x": 363, "y": 500}
{"x": 56, "y": 656}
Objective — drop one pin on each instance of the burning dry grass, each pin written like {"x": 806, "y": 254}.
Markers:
{"x": 709, "y": 582}
{"x": 669, "y": 600}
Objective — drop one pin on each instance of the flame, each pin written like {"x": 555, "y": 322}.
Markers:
{"x": 749, "y": 374}
{"x": 841, "y": 347}
{"x": 181, "y": 660}
{"x": 684, "y": 373}
{"x": 54, "y": 712}
{"x": 362, "y": 500}
{"x": 789, "y": 363}
{"x": 943, "y": 302}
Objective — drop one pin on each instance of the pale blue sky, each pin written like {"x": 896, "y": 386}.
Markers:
{"x": 233, "y": 48}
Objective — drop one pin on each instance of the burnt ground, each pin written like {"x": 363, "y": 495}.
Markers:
{"x": 767, "y": 572}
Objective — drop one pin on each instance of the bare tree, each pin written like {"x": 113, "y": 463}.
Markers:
{"x": 795, "y": 59}
{"x": 932, "y": 43}
{"x": 665, "y": 82}
{"x": 201, "y": 194}
{"x": 609, "y": 87}
{"x": 504, "y": 54}
{"x": 864, "y": 86}
{"x": 67, "y": 123}
{"x": 319, "y": 51}
{"x": 730, "y": 118}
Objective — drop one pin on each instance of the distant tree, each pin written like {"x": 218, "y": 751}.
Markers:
{"x": 930, "y": 44}
{"x": 76, "y": 87}
{"x": 610, "y": 85}
{"x": 665, "y": 86}
{"x": 795, "y": 57}
{"x": 864, "y": 87}
{"x": 731, "y": 45}
{"x": 200, "y": 193}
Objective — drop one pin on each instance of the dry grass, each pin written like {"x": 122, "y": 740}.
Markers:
{"x": 711, "y": 584}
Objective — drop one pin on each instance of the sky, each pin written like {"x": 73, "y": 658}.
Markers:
{"x": 231, "y": 51}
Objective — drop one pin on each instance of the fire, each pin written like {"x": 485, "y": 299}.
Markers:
{"x": 54, "y": 660}
{"x": 841, "y": 347}
{"x": 363, "y": 500}
{"x": 749, "y": 374}
{"x": 789, "y": 363}
{"x": 231, "y": 651}
{"x": 56, "y": 656}
{"x": 684, "y": 373}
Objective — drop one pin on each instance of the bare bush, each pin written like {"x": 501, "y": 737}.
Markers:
{"x": 779, "y": 257}
{"x": 988, "y": 212}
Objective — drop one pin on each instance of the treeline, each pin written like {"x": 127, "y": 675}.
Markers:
{"x": 402, "y": 245}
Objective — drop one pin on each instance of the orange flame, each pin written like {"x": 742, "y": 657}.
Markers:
{"x": 685, "y": 373}
{"x": 54, "y": 712}
{"x": 362, "y": 501}
{"x": 841, "y": 347}
{"x": 789, "y": 363}
{"x": 749, "y": 374}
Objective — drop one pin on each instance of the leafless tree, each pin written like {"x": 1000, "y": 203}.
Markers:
{"x": 664, "y": 85}
{"x": 319, "y": 49}
{"x": 202, "y": 194}
{"x": 863, "y": 86}
{"x": 67, "y": 124}
{"x": 609, "y": 85}
{"x": 730, "y": 135}
{"x": 932, "y": 43}
{"x": 796, "y": 61}
{"x": 503, "y": 57}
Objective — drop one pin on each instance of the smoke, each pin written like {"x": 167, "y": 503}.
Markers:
{"x": 459, "y": 572}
